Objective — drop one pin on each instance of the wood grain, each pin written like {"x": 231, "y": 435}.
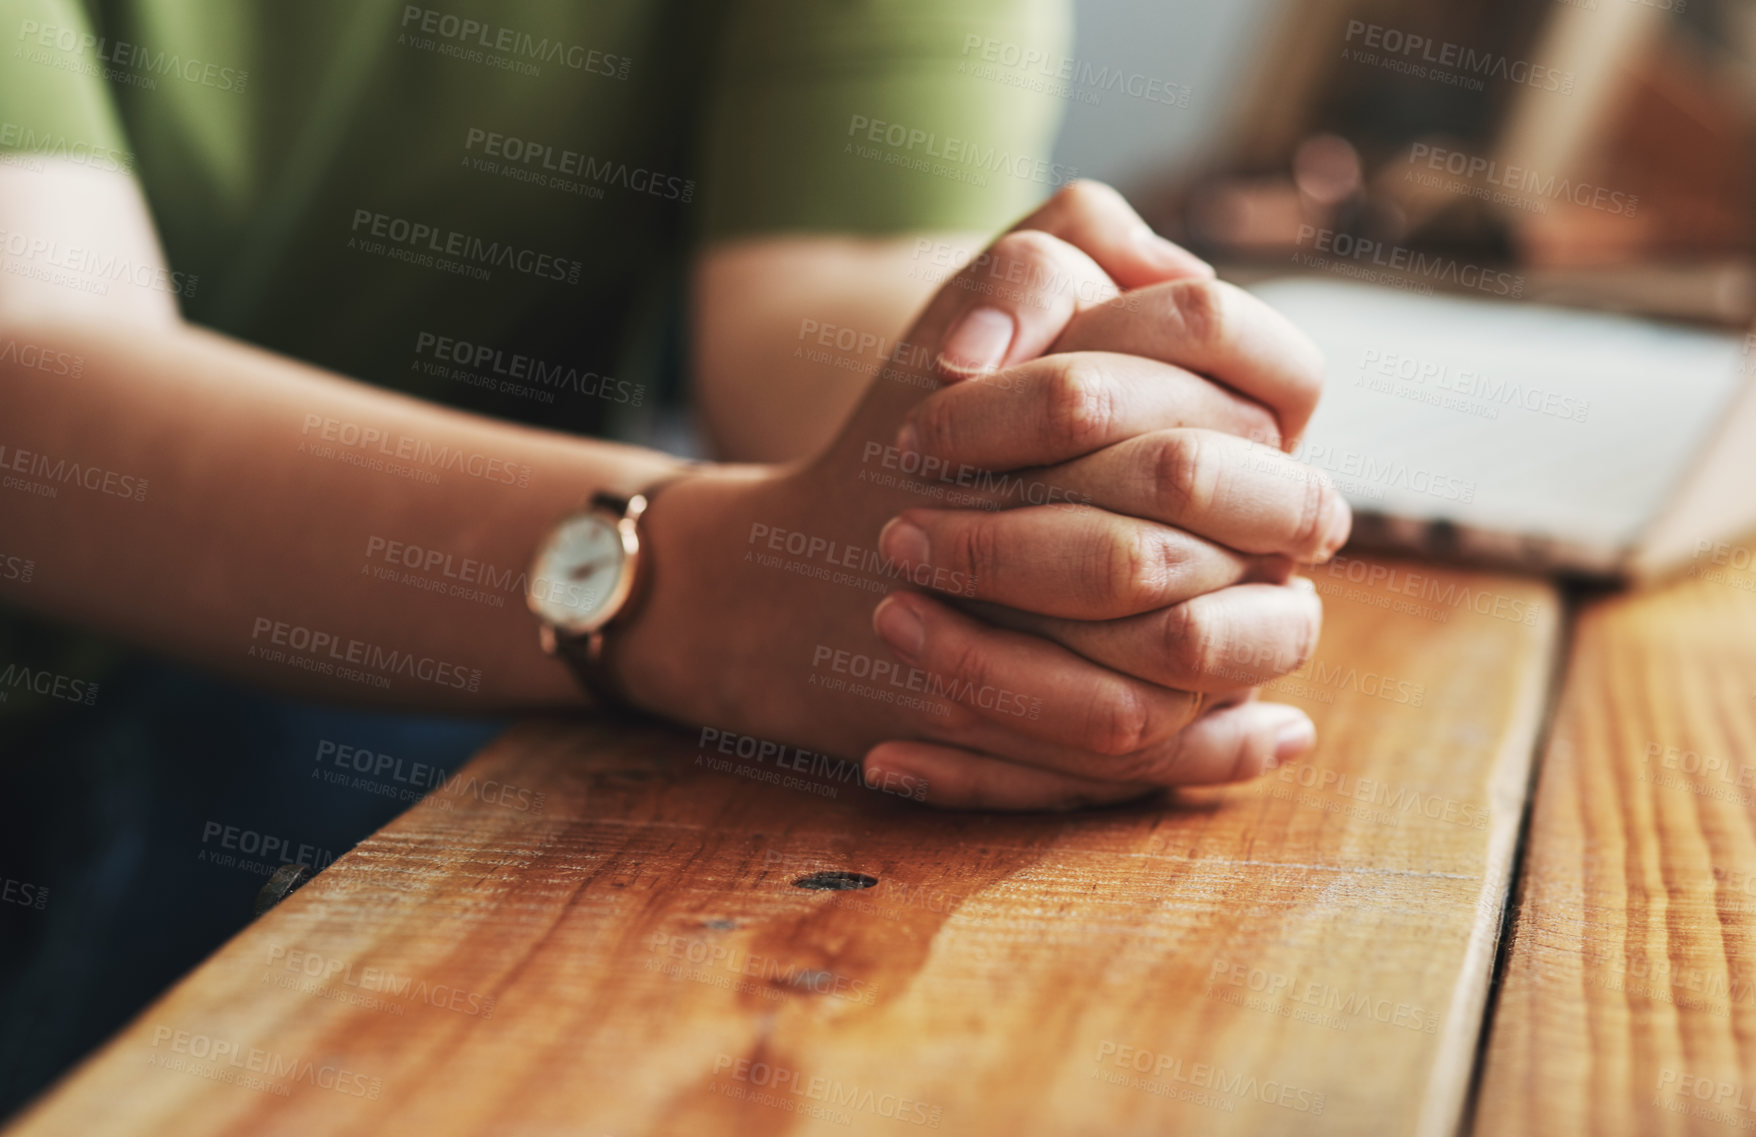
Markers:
{"x": 1629, "y": 1003}
{"x": 1307, "y": 954}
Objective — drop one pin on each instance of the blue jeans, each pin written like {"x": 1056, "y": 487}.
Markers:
{"x": 152, "y": 819}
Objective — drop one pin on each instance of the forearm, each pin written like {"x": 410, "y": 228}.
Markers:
{"x": 789, "y": 332}
{"x": 261, "y": 517}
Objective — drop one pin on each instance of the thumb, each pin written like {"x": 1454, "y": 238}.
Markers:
{"x": 1097, "y": 220}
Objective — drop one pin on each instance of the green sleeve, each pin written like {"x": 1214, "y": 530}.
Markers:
{"x": 880, "y": 116}
{"x": 54, "y": 101}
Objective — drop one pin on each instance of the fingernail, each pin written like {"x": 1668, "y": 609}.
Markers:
{"x": 900, "y": 626}
{"x": 1293, "y": 740}
{"x": 1169, "y": 256}
{"x": 978, "y": 343}
{"x": 1337, "y": 525}
{"x": 907, "y": 441}
{"x": 904, "y": 542}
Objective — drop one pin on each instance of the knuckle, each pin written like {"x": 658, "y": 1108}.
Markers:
{"x": 964, "y": 660}
{"x": 975, "y": 549}
{"x": 1240, "y": 760}
{"x": 1131, "y": 569}
{"x": 1192, "y": 645}
{"x": 1258, "y": 424}
{"x": 1143, "y": 765}
{"x": 936, "y": 423}
{"x": 1201, "y": 312}
{"x": 1117, "y": 720}
{"x": 1161, "y": 765}
{"x": 1287, "y": 649}
{"x": 1315, "y": 510}
{"x": 1080, "y": 404}
{"x": 1086, "y": 195}
{"x": 1183, "y": 476}
{"x": 1030, "y": 270}
{"x": 1031, "y": 246}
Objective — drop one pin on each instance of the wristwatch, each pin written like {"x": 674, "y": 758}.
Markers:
{"x": 585, "y": 578}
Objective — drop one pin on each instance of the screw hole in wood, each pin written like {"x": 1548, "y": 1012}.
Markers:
{"x": 836, "y": 881}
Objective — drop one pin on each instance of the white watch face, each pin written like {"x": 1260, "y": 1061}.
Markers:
{"x": 576, "y": 577}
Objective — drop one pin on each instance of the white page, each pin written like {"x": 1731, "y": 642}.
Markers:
{"x": 1551, "y": 421}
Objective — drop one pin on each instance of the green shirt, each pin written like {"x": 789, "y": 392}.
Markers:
{"x": 447, "y": 199}
{"x": 489, "y": 202}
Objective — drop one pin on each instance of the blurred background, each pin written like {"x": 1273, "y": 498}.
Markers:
{"x": 1633, "y": 189}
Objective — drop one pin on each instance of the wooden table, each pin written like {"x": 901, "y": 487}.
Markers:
{"x": 1311, "y": 953}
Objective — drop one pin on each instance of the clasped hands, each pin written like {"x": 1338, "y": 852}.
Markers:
{"x": 1080, "y": 456}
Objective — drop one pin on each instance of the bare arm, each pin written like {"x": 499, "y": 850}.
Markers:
{"x": 788, "y": 332}
{"x": 258, "y": 515}
{"x": 378, "y": 497}
{"x": 269, "y": 520}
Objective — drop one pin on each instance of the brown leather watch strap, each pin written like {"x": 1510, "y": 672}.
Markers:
{"x": 585, "y": 656}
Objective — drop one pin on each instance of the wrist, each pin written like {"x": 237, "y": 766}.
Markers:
{"x": 673, "y": 656}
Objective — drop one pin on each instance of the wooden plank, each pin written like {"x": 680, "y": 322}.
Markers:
{"x": 1307, "y": 954}
{"x": 1629, "y": 1002}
